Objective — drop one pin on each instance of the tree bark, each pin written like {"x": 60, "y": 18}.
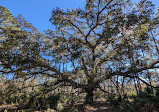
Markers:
{"x": 89, "y": 96}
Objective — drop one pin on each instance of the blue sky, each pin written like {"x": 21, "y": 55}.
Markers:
{"x": 38, "y": 12}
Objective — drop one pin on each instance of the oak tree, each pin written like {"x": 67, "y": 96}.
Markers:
{"x": 107, "y": 38}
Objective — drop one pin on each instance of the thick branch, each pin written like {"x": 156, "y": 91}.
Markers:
{"x": 76, "y": 27}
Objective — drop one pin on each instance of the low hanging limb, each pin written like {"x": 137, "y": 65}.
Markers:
{"x": 147, "y": 83}
{"x": 102, "y": 90}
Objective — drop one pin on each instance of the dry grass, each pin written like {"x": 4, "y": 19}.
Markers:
{"x": 8, "y": 106}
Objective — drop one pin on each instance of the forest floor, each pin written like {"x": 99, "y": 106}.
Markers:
{"x": 95, "y": 107}
{"x": 8, "y": 106}
{"x": 98, "y": 106}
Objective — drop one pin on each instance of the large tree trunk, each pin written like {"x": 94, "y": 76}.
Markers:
{"x": 89, "y": 96}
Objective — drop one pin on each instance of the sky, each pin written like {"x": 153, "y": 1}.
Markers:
{"x": 38, "y": 12}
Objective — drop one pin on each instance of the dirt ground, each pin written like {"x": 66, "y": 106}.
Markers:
{"x": 95, "y": 107}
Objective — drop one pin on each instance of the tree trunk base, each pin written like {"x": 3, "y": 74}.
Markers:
{"x": 89, "y": 97}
